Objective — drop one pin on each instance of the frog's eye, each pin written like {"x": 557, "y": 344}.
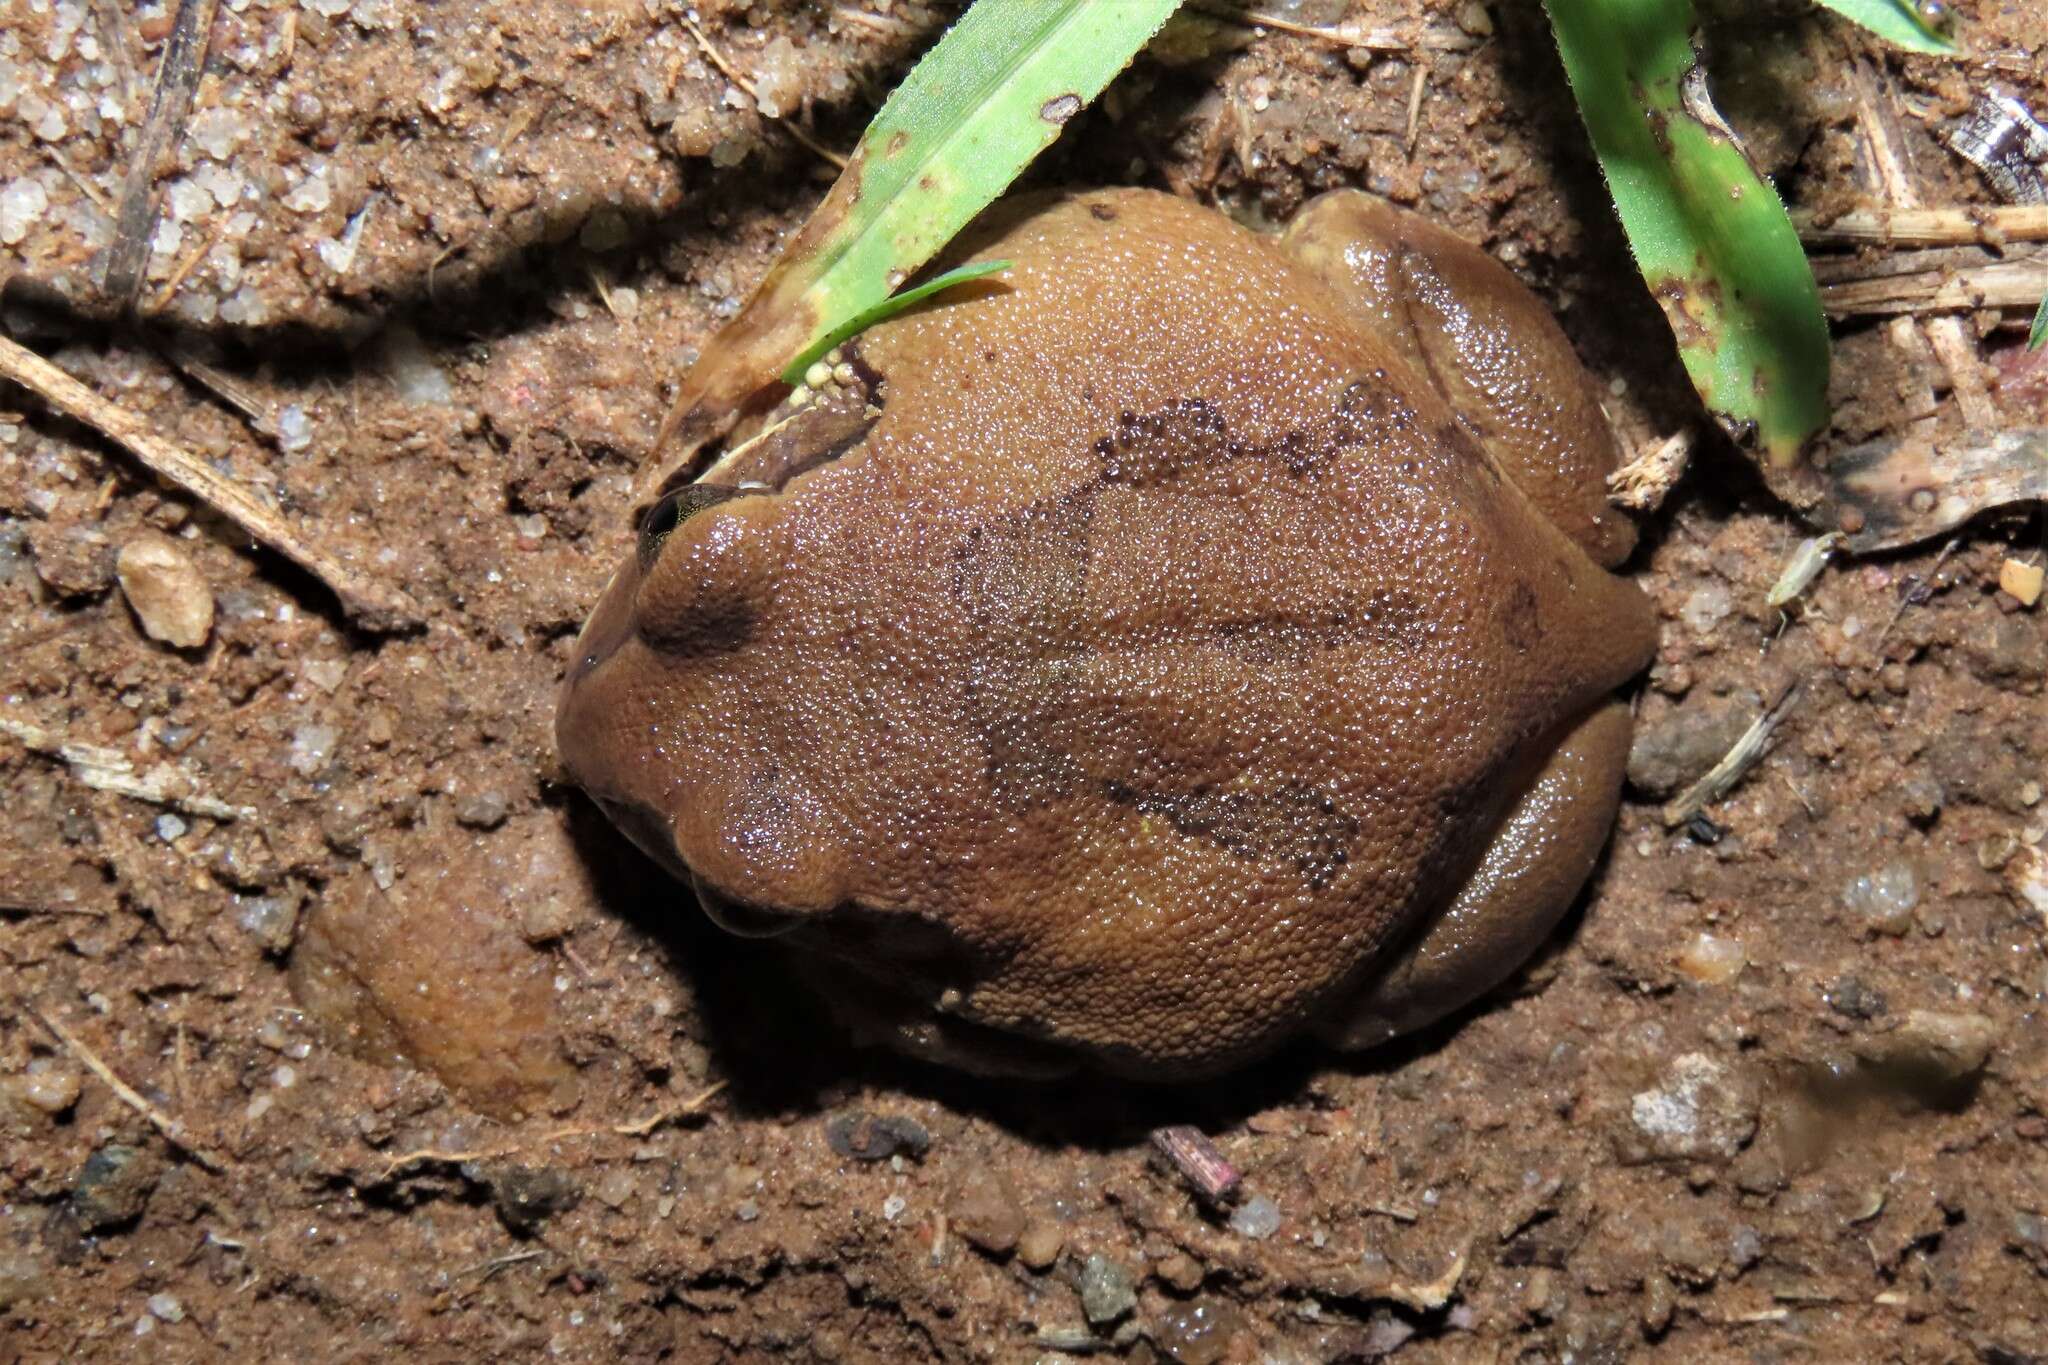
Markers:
{"x": 677, "y": 506}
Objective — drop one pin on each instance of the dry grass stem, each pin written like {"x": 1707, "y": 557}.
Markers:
{"x": 1955, "y": 348}
{"x": 636, "y": 1128}
{"x": 109, "y": 770}
{"x": 1349, "y": 34}
{"x": 733, "y": 74}
{"x": 259, "y": 411}
{"x": 177, "y": 78}
{"x": 1971, "y": 226}
{"x": 370, "y": 605}
{"x": 1999, "y": 284}
{"x": 1734, "y": 765}
{"x": 173, "y": 1130}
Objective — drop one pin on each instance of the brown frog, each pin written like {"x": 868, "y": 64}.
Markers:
{"x": 1184, "y": 640}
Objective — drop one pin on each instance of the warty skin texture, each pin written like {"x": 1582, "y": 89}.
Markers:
{"x": 1211, "y": 639}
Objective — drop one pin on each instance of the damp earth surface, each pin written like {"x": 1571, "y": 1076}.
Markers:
{"x": 423, "y": 1059}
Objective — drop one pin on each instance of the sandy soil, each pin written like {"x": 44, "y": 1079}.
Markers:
{"x": 434, "y": 1046}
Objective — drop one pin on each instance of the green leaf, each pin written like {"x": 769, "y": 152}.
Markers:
{"x": 1711, "y": 238}
{"x": 887, "y": 308}
{"x": 990, "y": 96}
{"x": 1916, "y": 25}
{"x": 2037, "y": 335}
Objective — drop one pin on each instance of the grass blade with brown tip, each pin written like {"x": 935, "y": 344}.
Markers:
{"x": 988, "y": 98}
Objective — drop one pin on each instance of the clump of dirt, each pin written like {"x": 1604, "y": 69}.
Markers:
{"x": 425, "y": 1059}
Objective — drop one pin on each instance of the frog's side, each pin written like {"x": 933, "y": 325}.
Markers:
{"x": 1212, "y": 638}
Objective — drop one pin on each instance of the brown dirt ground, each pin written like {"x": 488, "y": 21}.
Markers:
{"x": 1749, "y": 1107}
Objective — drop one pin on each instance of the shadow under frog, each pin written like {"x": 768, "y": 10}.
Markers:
{"x": 1209, "y": 641}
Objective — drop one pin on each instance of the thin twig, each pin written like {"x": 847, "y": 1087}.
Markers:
{"x": 1416, "y": 90}
{"x": 1348, "y": 34}
{"x": 1956, "y": 348}
{"x": 182, "y": 271}
{"x": 732, "y": 73}
{"x": 879, "y": 23}
{"x": 113, "y": 26}
{"x": 11, "y": 904}
{"x": 636, "y": 1128}
{"x": 79, "y": 182}
{"x": 259, "y": 411}
{"x": 498, "y": 1263}
{"x": 108, "y": 770}
{"x": 1909, "y": 599}
{"x": 1722, "y": 777}
{"x": 1976, "y": 225}
{"x": 173, "y": 1131}
{"x": 177, "y": 78}
{"x": 2017, "y": 283}
{"x": 370, "y": 605}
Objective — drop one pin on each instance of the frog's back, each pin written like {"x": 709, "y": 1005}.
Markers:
{"x": 1163, "y": 647}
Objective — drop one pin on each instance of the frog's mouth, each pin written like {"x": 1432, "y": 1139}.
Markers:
{"x": 823, "y": 418}
{"x": 650, "y": 834}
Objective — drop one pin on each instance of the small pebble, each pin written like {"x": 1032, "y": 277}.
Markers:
{"x": 1179, "y": 1272}
{"x": 1852, "y": 999}
{"x": 1257, "y": 1218}
{"x": 482, "y": 810}
{"x": 986, "y": 1213}
{"x": 1040, "y": 1245}
{"x": 875, "y": 1137}
{"x": 1706, "y": 607}
{"x": 22, "y": 1278}
{"x": 1106, "y": 1291}
{"x": 294, "y": 429}
{"x": 1200, "y": 1334}
{"x": 893, "y": 1206}
{"x": 46, "y": 1086}
{"x": 1952, "y": 1047}
{"x": 1713, "y": 959}
{"x": 2022, "y": 580}
{"x": 167, "y": 1307}
{"x": 312, "y": 746}
{"x": 525, "y": 1196}
{"x": 547, "y": 917}
{"x": 1671, "y": 751}
{"x": 113, "y": 1187}
{"x": 1882, "y": 902}
{"x": 1700, "y": 1111}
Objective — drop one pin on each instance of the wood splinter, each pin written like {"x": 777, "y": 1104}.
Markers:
{"x": 370, "y": 605}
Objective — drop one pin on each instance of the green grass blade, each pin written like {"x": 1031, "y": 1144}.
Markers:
{"x": 2037, "y": 335}
{"x": 1711, "y": 238}
{"x": 1916, "y": 25}
{"x": 887, "y": 308}
{"x": 989, "y": 97}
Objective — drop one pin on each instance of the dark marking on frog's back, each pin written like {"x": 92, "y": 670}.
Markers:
{"x": 1294, "y": 824}
{"x": 1521, "y": 620}
{"x": 1015, "y": 567}
{"x": 1150, "y": 448}
{"x": 1382, "y": 618}
{"x": 712, "y": 628}
{"x": 1191, "y": 436}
